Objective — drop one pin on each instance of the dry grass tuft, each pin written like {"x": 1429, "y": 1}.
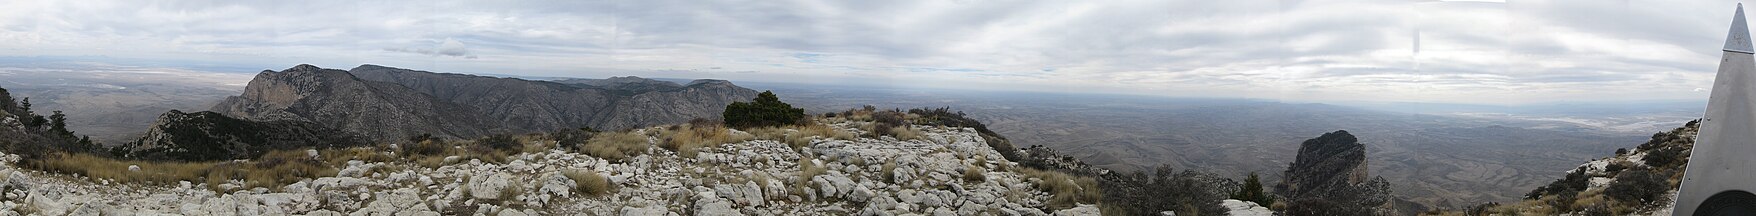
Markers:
{"x": 801, "y": 135}
{"x": 117, "y": 170}
{"x": 589, "y": 182}
{"x": 1066, "y": 190}
{"x": 615, "y": 146}
{"x": 272, "y": 170}
{"x": 974, "y": 174}
{"x": 687, "y": 139}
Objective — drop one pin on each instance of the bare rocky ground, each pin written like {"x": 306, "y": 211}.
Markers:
{"x": 758, "y": 177}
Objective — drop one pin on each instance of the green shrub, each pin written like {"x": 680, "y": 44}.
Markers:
{"x": 500, "y": 142}
{"x": 1637, "y": 186}
{"x": 1663, "y": 156}
{"x": 766, "y": 110}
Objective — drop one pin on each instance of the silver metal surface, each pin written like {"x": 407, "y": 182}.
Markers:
{"x": 1720, "y": 160}
{"x": 1738, "y": 40}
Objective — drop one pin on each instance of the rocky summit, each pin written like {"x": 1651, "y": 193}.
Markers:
{"x": 928, "y": 175}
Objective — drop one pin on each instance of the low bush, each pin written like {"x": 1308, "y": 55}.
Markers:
{"x": 1664, "y": 156}
{"x": 1638, "y": 186}
{"x": 1573, "y": 183}
{"x": 500, "y": 142}
{"x": 1143, "y": 193}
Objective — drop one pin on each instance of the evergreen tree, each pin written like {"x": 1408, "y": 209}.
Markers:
{"x": 765, "y": 110}
{"x": 1252, "y": 191}
{"x": 58, "y": 125}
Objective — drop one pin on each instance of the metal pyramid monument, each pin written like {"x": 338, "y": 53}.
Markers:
{"x": 1721, "y": 174}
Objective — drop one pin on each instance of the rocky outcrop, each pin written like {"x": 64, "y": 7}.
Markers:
{"x": 1329, "y": 177}
{"x": 209, "y": 136}
{"x": 385, "y": 103}
{"x": 1325, "y": 165}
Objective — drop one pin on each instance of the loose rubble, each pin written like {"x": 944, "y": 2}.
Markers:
{"x": 866, "y": 176}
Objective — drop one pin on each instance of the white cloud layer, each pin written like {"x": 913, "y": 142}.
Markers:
{"x": 1377, "y": 50}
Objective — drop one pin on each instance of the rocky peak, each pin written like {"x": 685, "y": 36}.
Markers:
{"x": 1334, "y": 156}
{"x": 1329, "y": 178}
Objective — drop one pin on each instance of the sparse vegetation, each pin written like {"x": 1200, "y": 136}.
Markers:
{"x": 1065, "y": 190}
{"x": 272, "y": 170}
{"x": 589, "y": 182}
{"x": 974, "y": 173}
{"x": 615, "y": 146}
{"x": 687, "y": 139}
{"x": 1143, "y": 193}
{"x": 1638, "y": 186}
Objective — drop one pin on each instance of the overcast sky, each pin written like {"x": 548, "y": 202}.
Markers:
{"x": 1414, "y": 51}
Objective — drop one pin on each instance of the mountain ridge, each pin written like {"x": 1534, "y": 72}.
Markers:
{"x": 385, "y": 103}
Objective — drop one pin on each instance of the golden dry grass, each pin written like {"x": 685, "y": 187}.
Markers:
{"x": 801, "y": 135}
{"x": 615, "y": 146}
{"x": 687, "y": 139}
{"x": 272, "y": 170}
{"x": 1065, "y": 190}
{"x": 117, "y": 170}
{"x": 589, "y": 182}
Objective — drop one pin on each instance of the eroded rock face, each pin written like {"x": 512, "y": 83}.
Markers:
{"x": 527, "y": 106}
{"x": 1329, "y": 177}
{"x": 1326, "y": 164}
{"x": 336, "y": 99}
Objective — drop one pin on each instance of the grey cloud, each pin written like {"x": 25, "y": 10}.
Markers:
{"x": 1336, "y": 45}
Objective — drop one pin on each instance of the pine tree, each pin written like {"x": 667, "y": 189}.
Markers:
{"x": 1252, "y": 191}
{"x": 58, "y": 125}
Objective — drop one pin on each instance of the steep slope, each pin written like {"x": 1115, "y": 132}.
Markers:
{"x": 524, "y": 105}
{"x": 209, "y": 136}
{"x": 336, "y": 99}
{"x": 1634, "y": 181}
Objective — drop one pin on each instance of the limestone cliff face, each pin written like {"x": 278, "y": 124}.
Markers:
{"x": 385, "y": 103}
{"x": 209, "y": 136}
{"x": 526, "y": 106}
{"x": 336, "y": 99}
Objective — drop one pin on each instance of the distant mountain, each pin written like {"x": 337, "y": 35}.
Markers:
{"x": 385, "y": 103}
{"x": 336, "y": 99}
{"x": 627, "y": 83}
{"x": 209, "y": 136}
